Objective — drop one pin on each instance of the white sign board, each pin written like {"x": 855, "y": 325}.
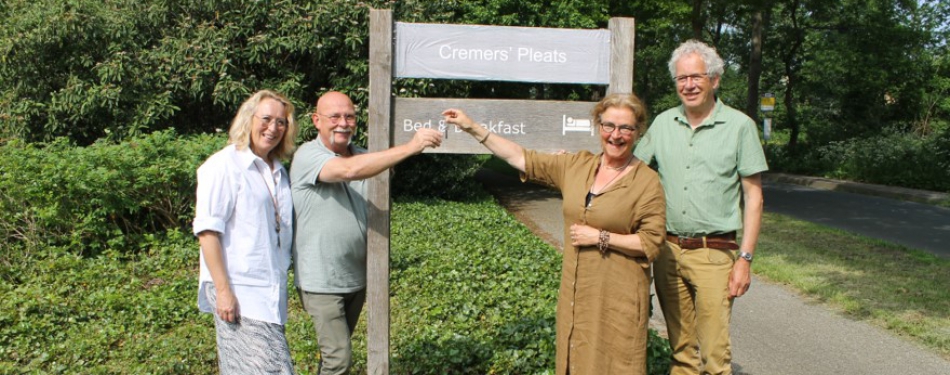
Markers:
{"x": 502, "y": 53}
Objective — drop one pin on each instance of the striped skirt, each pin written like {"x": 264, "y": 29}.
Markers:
{"x": 250, "y": 346}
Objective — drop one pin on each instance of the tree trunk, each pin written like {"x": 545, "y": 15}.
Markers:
{"x": 791, "y": 70}
{"x": 791, "y": 113}
{"x": 755, "y": 64}
{"x": 697, "y": 19}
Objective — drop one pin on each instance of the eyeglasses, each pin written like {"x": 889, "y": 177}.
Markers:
{"x": 267, "y": 120}
{"x": 609, "y": 127}
{"x": 695, "y": 77}
{"x": 335, "y": 118}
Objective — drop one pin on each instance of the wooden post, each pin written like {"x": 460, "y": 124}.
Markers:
{"x": 377, "y": 241}
{"x": 621, "y": 54}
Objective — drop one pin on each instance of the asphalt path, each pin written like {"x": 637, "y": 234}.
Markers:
{"x": 775, "y": 331}
{"x": 915, "y": 225}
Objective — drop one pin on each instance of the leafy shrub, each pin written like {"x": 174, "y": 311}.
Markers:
{"x": 783, "y": 159}
{"x": 102, "y": 196}
{"x": 894, "y": 158}
{"x": 88, "y": 69}
{"x": 444, "y": 176}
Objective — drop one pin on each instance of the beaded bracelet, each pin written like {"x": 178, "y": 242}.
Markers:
{"x": 604, "y": 242}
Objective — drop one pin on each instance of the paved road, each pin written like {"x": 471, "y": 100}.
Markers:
{"x": 914, "y": 225}
{"x": 774, "y": 331}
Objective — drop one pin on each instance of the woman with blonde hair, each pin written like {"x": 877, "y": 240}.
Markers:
{"x": 243, "y": 221}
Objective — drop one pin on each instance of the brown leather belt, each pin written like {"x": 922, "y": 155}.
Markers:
{"x": 725, "y": 241}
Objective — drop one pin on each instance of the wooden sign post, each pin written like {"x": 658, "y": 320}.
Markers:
{"x": 377, "y": 237}
{"x": 477, "y": 52}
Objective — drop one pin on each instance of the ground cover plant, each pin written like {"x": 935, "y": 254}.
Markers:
{"x": 473, "y": 291}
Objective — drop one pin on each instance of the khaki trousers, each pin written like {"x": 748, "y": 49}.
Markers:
{"x": 334, "y": 318}
{"x": 693, "y": 289}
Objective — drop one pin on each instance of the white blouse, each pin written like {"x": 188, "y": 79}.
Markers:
{"x": 236, "y": 197}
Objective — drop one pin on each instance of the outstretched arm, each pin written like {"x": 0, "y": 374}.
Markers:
{"x": 505, "y": 149}
{"x": 363, "y": 166}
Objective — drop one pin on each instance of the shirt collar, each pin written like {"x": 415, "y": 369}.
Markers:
{"x": 708, "y": 121}
{"x": 320, "y": 143}
{"x": 246, "y": 159}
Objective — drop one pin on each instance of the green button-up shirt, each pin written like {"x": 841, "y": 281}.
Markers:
{"x": 701, "y": 169}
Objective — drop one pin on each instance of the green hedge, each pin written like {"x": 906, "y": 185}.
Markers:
{"x": 88, "y": 69}
{"x": 103, "y": 196}
{"x": 436, "y": 176}
{"x": 113, "y": 194}
{"x": 893, "y": 158}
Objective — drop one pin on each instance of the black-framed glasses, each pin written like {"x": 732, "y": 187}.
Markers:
{"x": 694, "y": 77}
{"x": 609, "y": 127}
{"x": 336, "y": 117}
{"x": 267, "y": 120}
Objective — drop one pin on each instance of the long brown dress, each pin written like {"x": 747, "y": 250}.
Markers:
{"x": 603, "y": 302}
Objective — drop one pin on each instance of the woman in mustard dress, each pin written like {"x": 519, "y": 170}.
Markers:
{"x": 614, "y": 218}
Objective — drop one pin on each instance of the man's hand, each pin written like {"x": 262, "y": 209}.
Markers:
{"x": 426, "y": 137}
{"x": 740, "y": 279}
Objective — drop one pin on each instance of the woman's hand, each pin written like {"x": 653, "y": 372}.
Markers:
{"x": 458, "y": 118}
{"x": 584, "y": 235}
{"x": 226, "y": 305}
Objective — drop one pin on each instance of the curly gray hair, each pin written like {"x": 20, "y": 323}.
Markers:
{"x": 714, "y": 63}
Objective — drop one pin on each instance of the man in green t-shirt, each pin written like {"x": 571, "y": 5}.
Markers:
{"x": 706, "y": 153}
{"x": 327, "y": 185}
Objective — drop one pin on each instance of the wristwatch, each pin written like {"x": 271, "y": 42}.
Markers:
{"x": 746, "y": 256}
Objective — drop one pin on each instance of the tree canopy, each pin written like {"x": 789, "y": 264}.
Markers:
{"x": 88, "y": 70}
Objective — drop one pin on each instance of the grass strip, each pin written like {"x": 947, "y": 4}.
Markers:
{"x": 900, "y": 289}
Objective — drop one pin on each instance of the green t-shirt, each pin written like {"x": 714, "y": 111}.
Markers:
{"x": 330, "y": 225}
{"x": 701, "y": 169}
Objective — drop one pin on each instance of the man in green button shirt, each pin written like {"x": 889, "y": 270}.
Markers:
{"x": 706, "y": 153}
